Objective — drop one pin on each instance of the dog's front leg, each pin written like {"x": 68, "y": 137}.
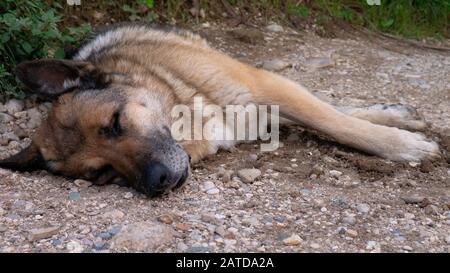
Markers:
{"x": 296, "y": 103}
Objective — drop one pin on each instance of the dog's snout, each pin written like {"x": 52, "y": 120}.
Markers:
{"x": 157, "y": 177}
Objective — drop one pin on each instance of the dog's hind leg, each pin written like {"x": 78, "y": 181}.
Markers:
{"x": 296, "y": 103}
{"x": 394, "y": 115}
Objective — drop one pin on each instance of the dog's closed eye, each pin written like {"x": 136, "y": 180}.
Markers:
{"x": 114, "y": 129}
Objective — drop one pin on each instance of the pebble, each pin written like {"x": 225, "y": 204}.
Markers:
{"x": 114, "y": 214}
{"x": 363, "y": 208}
{"x": 350, "y": 220}
{"x": 249, "y": 175}
{"x": 412, "y": 199}
{"x": 371, "y": 245}
{"x": 74, "y": 196}
{"x": 432, "y": 210}
{"x": 407, "y": 248}
{"x": 314, "y": 246}
{"x": 275, "y": 65}
{"x": 82, "y": 183}
{"x": 5, "y": 118}
{"x": 447, "y": 239}
{"x": 115, "y": 229}
{"x": 99, "y": 245}
{"x": 293, "y": 240}
{"x": 274, "y": 28}
{"x": 128, "y": 195}
{"x": 210, "y": 218}
{"x": 352, "y": 233}
{"x": 213, "y": 191}
{"x": 335, "y": 173}
{"x": 42, "y": 233}
{"x": 104, "y": 235}
{"x": 316, "y": 63}
{"x": 166, "y": 219}
{"x": 142, "y": 236}
{"x": 74, "y": 247}
{"x": 208, "y": 185}
{"x": 13, "y": 106}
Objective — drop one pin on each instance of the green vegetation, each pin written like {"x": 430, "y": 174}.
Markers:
{"x": 409, "y": 18}
{"x": 29, "y": 30}
{"x": 32, "y": 29}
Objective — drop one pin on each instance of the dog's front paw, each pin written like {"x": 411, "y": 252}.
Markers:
{"x": 407, "y": 146}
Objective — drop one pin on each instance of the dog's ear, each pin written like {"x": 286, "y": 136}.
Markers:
{"x": 54, "y": 77}
{"x": 28, "y": 159}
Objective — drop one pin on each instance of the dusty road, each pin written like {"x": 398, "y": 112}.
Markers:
{"x": 311, "y": 195}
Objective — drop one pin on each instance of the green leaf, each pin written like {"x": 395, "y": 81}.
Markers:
{"x": 59, "y": 53}
{"x": 385, "y": 23}
{"x": 27, "y": 47}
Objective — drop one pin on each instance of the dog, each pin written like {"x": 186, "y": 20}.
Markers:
{"x": 111, "y": 114}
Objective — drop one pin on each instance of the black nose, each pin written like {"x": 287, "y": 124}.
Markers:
{"x": 157, "y": 177}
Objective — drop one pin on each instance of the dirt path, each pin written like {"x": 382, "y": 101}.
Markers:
{"x": 312, "y": 195}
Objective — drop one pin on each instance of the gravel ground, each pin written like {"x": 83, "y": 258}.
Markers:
{"x": 311, "y": 195}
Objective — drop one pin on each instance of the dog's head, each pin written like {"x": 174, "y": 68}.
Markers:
{"x": 100, "y": 129}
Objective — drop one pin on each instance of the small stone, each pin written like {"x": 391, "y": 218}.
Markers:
{"x": 352, "y": 233}
{"x": 293, "y": 240}
{"x": 82, "y": 183}
{"x": 104, "y": 235}
{"x": 316, "y": 63}
{"x": 99, "y": 245}
{"x": 319, "y": 203}
{"x": 371, "y": 245}
{"x": 210, "y": 218}
{"x": 142, "y": 237}
{"x": 42, "y": 233}
{"x": 335, "y": 173}
{"x": 249, "y": 175}
{"x": 414, "y": 164}
{"x": 128, "y": 195}
{"x": 19, "y": 132}
{"x": 13, "y": 106}
{"x": 314, "y": 246}
{"x": 114, "y": 214}
{"x": 208, "y": 185}
{"x": 34, "y": 114}
{"x": 182, "y": 226}
{"x": 166, "y": 219}
{"x": 115, "y": 229}
{"x": 407, "y": 248}
{"x": 432, "y": 210}
{"x": 350, "y": 220}
{"x": 409, "y": 216}
{"x": 182, "y": 247}
{"x": 447, "y": 239}
{"x": 197, "y": 249}
{"x": 275, "y": 65}
{"x": 74, "y": 247}
{"x": 220, "y": 230}
{"x": 363, "y": 208}
{"x": 11, "y": 136}
{"x": 412, "y": 199}
{"x": 274, "y": 28}
{"x": 5, "y": 118}
{"x": 213, "y": 191}
{"x": 317, "y": 170}
{"x": 74, "y": 196}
